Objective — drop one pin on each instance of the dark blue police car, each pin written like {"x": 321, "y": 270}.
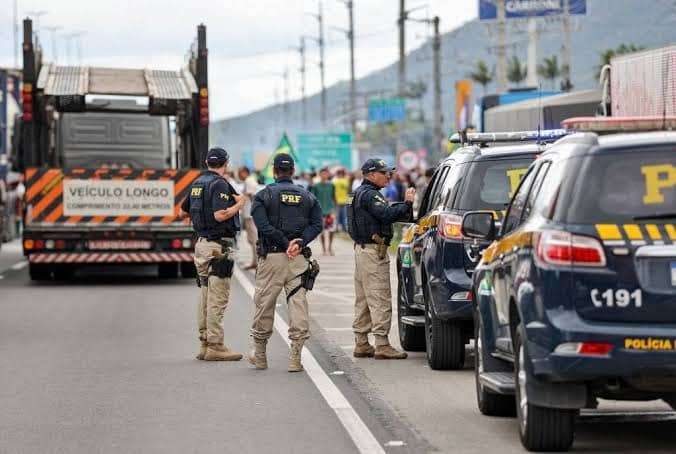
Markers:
{"x": 435, "y": 261}
{"x": 576, "y": 298}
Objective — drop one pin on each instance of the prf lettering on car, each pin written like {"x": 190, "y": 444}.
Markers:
{"x": 291, "y": 199}
{"x": 657, "y": 178}
{"x": 515, "y": 176}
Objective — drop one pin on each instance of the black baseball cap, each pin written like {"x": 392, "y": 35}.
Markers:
{"x": 376, "y": 165}
{"x": 217, "y": 157}
{"x": 283, "y": 161}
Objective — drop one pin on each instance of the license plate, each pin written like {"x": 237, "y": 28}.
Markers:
{"x": 96, "y": 245}
{"x": 673, "y": 274}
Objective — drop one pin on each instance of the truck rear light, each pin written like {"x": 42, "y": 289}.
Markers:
{"x": 176, "y": 243}
{"x": 39, "y": 244}
{"x": 584, "y": 348}
{"x": 28, "y": 244}
{"x": 187, "y": 243}
{"x": 563, "y": 248}
{"x": 60, "y": 244}
{"x": 49, "y": 244}
{"x": 450, "y": 226}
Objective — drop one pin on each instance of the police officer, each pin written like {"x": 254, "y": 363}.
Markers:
{"x": 213, "y": 206}
{"x": 288, "y": 218}
{"x": 370, "y": 219}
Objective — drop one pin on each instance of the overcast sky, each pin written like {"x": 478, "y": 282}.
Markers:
{"x": 250, "y": 42}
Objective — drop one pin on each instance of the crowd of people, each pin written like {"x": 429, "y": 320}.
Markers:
{"x": 331, "y": 187}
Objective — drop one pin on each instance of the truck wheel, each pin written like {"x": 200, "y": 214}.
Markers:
{"x": 39, "y": 272}
{"x": 540, "y": 428}
{"x": 167, "y": 270}
{"x": 411, "y": 338}
{"x": 489, "y": 403}
{"x": 188, "y": 270}
{"x": 444, "y": 341}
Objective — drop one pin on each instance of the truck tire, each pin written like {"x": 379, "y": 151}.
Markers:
{"x": 411, "y": 338}
{"x": 444, "y": 341}
{"x": 167, "y": 270}
{"x": 489, "y": 403}
{"x": 188, "y": 270}
{"x": 540, "y": 428}
{"x": 39, "y": 272}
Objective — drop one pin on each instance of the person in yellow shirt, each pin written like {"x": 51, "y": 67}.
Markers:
{"x": 341, "y": 184}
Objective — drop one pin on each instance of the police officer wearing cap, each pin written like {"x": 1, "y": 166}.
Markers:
{"x": 288, "y": 218}
{"x": 213, "y": 206}
{"x": 370, "y": 219}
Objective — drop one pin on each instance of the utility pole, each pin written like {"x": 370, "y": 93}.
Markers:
{"x": 502, "y": 54}
{"x": 402, "y": 47}
{"x": 438, "y": 115}
{"x": 286, "y": 93}
{"x": 353, "y": 83}
{"x": 566, "y": 84}
{"x": 52, "y": 35}
{"x": 320, "y": 43}
{"x": 301, "y": 50}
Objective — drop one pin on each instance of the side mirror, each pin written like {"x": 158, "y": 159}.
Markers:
{"x": 479, "y": 224}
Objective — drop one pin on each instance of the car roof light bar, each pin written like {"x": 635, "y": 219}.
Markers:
{"x": 544, "y": 136}
{"x": 620, "y": 124}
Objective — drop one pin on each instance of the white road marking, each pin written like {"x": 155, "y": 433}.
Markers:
{"x": 333, "y": 296}
{"x": 362, "y": 437}
{"x": 332, "y": 314}
{"x": 19, "y": 266}
{"x": 343, "y": 328}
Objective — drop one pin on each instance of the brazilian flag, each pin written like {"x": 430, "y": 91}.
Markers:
{"x": 283, "y": 147}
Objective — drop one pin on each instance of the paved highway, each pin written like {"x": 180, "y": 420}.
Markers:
{"x": 104, "y": 363}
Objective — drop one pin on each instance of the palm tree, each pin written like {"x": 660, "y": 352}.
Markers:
{"x": 549, "y": 69}
{"x": 608, "y": 55}
{"x": 515, "y": 72}
{"x": 481, "y": 74}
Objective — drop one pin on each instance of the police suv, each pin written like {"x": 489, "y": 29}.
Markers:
{"x": 576, "y": 297}
{"x": 435, "y": 261}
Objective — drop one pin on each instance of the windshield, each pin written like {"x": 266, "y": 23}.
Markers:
{"x": 114, "y": 140}
{"x": 625, "y": 187}
{"x": 490, "y": 184}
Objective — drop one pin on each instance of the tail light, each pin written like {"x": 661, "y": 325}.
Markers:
{"x": 27, "y": 102}
{"x": 60, "y": 244}
{"x": 563, "y": 248}
{"x": 176, "y": 243}
{"x": 584, "y": 348}
{"x": 449, "y": 226}
{"x": 204, "y": 107}
{"x": 39, "y": 244}
{"x": 28, "y": 244}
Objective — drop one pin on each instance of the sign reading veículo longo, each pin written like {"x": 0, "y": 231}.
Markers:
{"x": 118, "y": 198}
{"x": 316, "y": 151}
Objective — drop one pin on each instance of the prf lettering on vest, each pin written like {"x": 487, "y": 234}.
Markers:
{"x": 196, "y": 192}
{"x": 657, "y": 179}
{"x": 291, "y": 199}
{"x": 515, "y": 176}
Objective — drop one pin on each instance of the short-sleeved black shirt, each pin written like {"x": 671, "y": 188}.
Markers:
{"x": 221, "y": 196}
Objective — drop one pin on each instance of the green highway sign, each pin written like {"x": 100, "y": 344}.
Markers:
{"x": 322, "y": 150}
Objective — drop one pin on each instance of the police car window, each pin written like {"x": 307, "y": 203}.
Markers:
{"x": 513, "y": 218}
{"x": 489, "y": 184}
{"x": 435, "y": 198}
{"x": 429, "y": 194}
{"x": 452, "y": 184}
{"x": 537, "y": 185}
{"x": 545, "y": 200}
{"x": 620, "y": 186}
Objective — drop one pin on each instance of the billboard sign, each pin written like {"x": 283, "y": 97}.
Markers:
{"x": 316, "y": 151}
{"x": 520, "y": 9}
{"x": 387, "y": 110}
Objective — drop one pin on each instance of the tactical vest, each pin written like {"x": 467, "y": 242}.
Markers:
{"x": 361, "y": 225}
{"x": 289, "y": 209}
{"x": 202, "y": 211}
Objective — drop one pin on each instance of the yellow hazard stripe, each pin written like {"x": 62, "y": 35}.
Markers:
{"x": 633, "y": 232}
{"x": 671, "y": 231}
{"x": 609, "y": 232}
{"x": 653, "y": 232}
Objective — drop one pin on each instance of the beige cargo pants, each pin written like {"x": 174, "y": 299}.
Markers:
{"x": 373, "y": 294}
{"x": 276, "y": 272}
{"x": 214, "y": 297}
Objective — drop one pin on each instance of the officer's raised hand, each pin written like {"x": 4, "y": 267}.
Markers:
{"x": 231, "y": 212}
